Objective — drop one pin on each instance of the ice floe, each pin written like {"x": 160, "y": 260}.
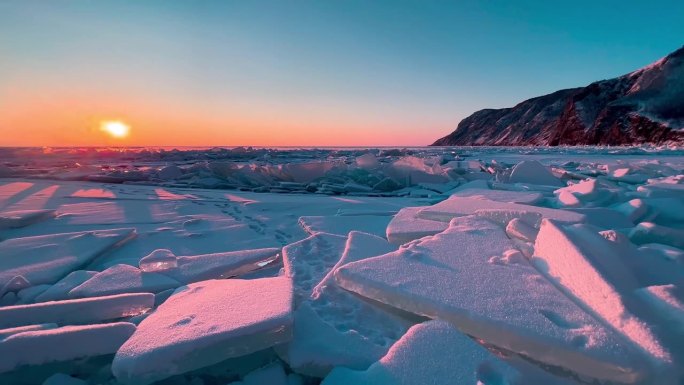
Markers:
{"x": 580, "y": 262}
{"x": 406, "y": 226}
{"x": 62, "y": 344}
{"x": 450, "y": 276}
{"x": 499, "y": 211}
{"x": 334, "y": 327}
{"x": 48, "y": 258}
{"x": 77, "y": 311}
{"x": 205, "y": 323}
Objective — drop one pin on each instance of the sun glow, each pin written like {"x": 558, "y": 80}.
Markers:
{"x": 115, "y": 128}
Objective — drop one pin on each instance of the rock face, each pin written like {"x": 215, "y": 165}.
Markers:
{"x": 645, "y": 106}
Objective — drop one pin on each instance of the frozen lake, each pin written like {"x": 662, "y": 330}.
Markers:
{"x": 338, "y": 266}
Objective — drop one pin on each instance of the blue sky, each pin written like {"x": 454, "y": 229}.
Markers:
{"x": 314, "y": 72}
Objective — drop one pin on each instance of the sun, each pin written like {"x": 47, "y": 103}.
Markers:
{"x": 115, "y": 128}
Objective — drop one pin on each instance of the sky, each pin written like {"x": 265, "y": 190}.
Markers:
{"x": 302, "y": 73}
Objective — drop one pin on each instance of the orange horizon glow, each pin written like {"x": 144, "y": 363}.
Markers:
{"x": 58, "y": 115}
{"x": 82, "y": 121}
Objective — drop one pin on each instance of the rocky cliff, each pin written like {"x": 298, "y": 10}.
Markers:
{"x": 645, "y": 106}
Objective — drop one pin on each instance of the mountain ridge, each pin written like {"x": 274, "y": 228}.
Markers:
{"x": 643, "y": 106}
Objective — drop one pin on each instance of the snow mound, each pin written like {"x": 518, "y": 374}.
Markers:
{"x": 533, "y": 172}
{"x": 205, "y": 323}
{"x": 509, "y": 305}
{"x": 431, "y": 353}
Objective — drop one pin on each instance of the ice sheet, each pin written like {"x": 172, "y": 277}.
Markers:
{"x": 510, "y": 305}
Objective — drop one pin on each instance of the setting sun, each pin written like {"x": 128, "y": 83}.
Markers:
{"x": 115, "y": 128}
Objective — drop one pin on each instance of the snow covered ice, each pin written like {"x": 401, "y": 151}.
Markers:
{"x": 335, "y": 266}
{"x": 206, "y": 323}
{"x": 455, "y": 359}
{"x": 452, "y": 276}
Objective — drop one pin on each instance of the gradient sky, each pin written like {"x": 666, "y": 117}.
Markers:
{"x": 328, "y": 73}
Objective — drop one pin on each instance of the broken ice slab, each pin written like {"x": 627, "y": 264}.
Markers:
{"x": 76, "y": 311}
{"x": 666, "y": 211}
{"x": 194, "y": 268}
{"x": 14, "y": 285}
{"x": 529, "y": 198}
{"x": 587, "y": 267}
{"x": 120, "y": 279}
{"x": 205, "y": 323}
{"x": 586, "y": 191}
{"x": 273, "y": 374}
{"x": 662, "y": 190}
{"x": 48, "y": 258}
{"x": 62, "y": 344}
{"x": 667, "y": 303}
{"x": 23, "y": 218}
{"x": 604, "y": 218}
{"x": 4, "y": 333}
{"x": 455, "y": 206}
{"x": 309, "y": 260}
{"x": 406, "y": 227}
{"x": 61, "y": 289}
{"x": 533, "y": 172}
{"x": 648, "y": 232}
{"x": 29, "y": 294}
{"x": 519, "y": 229}
{"x": 342, "y": 225}
{"x": 509, "y": 305}
{"x": 635, "y": 209}
{"x": 158, "y": 260}
{"x": 652, "y": 266}
{"x": 63, "y": 379}
{"x": 434, "y": 352}
{"x": 335, "y": 327}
